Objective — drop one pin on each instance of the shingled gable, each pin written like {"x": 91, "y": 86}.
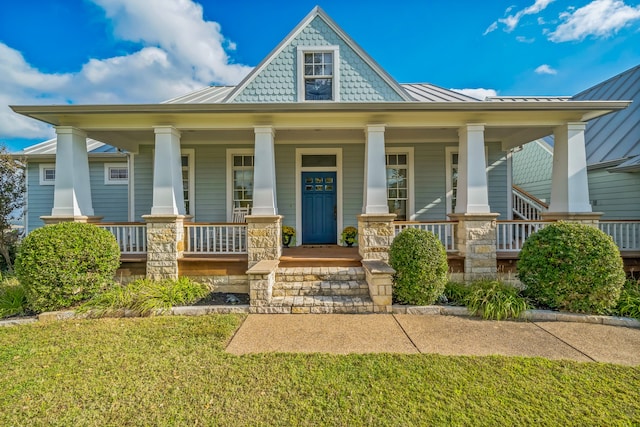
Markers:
{"x": 359, "y": 77}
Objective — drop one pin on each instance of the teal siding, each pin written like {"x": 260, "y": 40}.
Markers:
{"x": 532, "y": 170}
{"x": 615, "y": 194}
{"x": 39, "y": 197}
{"x": 111, "y": 202}
{"x": 278, "y": 80}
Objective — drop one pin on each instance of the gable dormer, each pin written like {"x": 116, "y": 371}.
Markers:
{"x": 318, "y": 62}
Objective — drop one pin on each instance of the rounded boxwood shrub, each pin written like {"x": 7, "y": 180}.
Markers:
{"x": 62, "y": 264}
{"x": 573, "y": 267}
{"x": 420, "y": 261}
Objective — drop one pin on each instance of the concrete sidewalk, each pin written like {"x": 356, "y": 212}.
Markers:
{"x": 448, "y": 335}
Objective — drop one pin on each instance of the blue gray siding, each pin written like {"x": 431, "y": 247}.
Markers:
{"x": 143, "y": 179}
{"x": 615, "y": 194}
{"x": 109, "y": 201}
{"x": 39, "y": 197}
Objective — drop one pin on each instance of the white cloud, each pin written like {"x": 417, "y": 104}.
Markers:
{"x": 181, "y": 52}
{"x": 523, "y": 39}
{"x": 478, "y": 93}
{"x": 511, "y": 21}
{"x": 600, "y": 19}
{"x": 545, "y": 69}
{"x": 491, "y": 28}
{"x": 177, "y": 27}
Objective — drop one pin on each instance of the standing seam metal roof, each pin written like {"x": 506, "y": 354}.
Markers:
{"x": 616, "y": 136}
{"x": 421, "y": 92}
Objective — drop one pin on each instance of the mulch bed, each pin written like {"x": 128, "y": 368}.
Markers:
{"x": 224, "y": 298}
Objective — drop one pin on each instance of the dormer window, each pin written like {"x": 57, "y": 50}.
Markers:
{"x": 318, "y": 77}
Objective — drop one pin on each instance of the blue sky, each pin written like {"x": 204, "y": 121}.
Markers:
{"x": 139, "y": 51}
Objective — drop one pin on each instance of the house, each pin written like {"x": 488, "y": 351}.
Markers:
{"x": 318, "y": 137}
{"x": 612, "y": 145}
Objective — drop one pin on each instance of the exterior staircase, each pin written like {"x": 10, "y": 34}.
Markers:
{"x": 321, "y": 290}
{"x": 526, "y": 206}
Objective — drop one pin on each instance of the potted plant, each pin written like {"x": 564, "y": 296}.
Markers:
{"x": 348, "y": 235}
{"x": 288, "y": 235}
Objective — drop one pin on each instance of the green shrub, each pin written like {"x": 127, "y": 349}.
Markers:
{"x": 494, "y": 300}
{"x": 62, "y": 264}
{"x": 153, "y": 296}
{"x": 146, "y": 296}
{"x": 456, "y": 292}
{"x": 573, "y": 267}
{"x": 13, "y": 299}
{"x": 420, "y": 261}
{"x": 629, "y": 301}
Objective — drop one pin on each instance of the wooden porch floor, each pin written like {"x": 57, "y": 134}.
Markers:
{"x": 320, "y": 256}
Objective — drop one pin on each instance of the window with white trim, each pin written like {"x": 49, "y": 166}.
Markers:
{"x": 185, "y": 160}
{"x": 398, "y": 184}
{"x": 47, "y": 174}
{"x": 242, "y": 175}
{"x": 116, "y": 173}
{"x": 317, "y": 73}
{"x": 453, "y": 172}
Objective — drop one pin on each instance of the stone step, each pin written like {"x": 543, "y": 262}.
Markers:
{"x": 319, "y": 274}
{"x": 338, "y": 288}
{"x": 318, "y": 304}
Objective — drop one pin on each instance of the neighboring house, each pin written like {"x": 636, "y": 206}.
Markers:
{"x": 318, "y": 137}
{"x": 612, "y": 153}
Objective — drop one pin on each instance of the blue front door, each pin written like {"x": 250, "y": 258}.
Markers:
{"x": 319, "y": 208}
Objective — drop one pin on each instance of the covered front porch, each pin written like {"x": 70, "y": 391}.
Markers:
{"x": 354, "y": 148}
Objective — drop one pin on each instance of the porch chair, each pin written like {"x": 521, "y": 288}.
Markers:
{"x": 240, "y": 213}
{"x": 239, "y": 236}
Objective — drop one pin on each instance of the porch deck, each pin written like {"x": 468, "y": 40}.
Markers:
{"x": 320, "y": 256}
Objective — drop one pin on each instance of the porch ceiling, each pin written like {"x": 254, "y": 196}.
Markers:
{"x": 512, "y": 123}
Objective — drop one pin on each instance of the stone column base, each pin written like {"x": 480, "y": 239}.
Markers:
{"x": 264, "y": 238}
{"x": 262, "y": 277}
{"x": 375, "y": 234}
{"x": 476, "y": 241}
{"x": 379, "y": 277}
{"x": 587, "y": 218}
{"x": 49, "y": 220}
{"x": 165, "y": 245}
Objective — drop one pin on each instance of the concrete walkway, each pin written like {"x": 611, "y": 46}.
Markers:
{"x": 448, "y": 335}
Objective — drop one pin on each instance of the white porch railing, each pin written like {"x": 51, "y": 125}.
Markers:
{"x": 511, "y": 235}
{"x": 222, "y": 239}
{"x": 626, "y": 234}
{"x": 131, "y": 237}
{"x": 445, "y": 230}
{"x": 526, "y": 206}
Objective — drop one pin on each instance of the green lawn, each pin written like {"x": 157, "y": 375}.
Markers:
{"x": 173, "y": 371}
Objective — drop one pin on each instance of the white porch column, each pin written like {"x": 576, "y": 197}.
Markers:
{"x": 473, "y": 191}
{"x": 168, "y": 198}
{"x": 375, "y": 176}
{"x": 72, "y": 193}
{"x": 264, "y": 172}
{"x": 569, "y": 185}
